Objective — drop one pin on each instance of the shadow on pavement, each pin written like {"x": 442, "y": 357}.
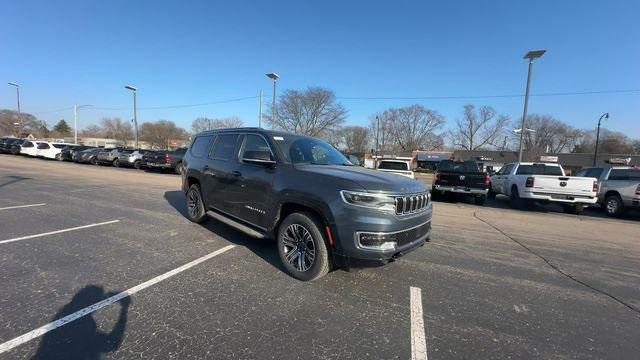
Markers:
{"x": 264, "y": 248}
{"x": 14, "y": 179}
{"x": 81, "y": 339}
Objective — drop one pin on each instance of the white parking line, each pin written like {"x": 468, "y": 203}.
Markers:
{"x": 418, "y": 340}
{"x": 4, "y": 347}
{"x": 21, "y": 206}
{"x": 58, "y": 231}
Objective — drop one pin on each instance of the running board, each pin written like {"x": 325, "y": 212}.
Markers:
{"x": 234, "y": 224}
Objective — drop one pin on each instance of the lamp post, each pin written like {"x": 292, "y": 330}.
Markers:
{"x": 377, "y": 132}
{"x": 134, "y": 90}
{"x": 595, "y": 155}
{"x": 533, "y": 54}
{"x": 19, "y": 114}
{"x": 75, "y": 121}
{"x": 273, "y": 76}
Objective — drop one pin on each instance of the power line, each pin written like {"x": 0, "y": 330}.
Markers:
{"x": 490, "y": 96}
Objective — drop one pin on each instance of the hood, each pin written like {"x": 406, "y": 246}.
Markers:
{"x": 368, "y": 179}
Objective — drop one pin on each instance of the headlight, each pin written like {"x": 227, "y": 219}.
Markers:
{"x": 370, "y": 200}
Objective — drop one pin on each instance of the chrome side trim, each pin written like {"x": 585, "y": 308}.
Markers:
{"x": 245, "y": 229}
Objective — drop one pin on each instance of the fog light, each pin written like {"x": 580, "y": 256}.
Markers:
{"x": 377, "y": 241}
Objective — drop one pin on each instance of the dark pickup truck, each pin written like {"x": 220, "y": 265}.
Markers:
{"x": 164, "y": 160}
{"x": 461, "y": 177}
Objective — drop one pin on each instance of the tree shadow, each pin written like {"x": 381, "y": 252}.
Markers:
{"x": 264, "y": 248}
{"x": 81, "y": 339}
{"x": 14, "y": 179}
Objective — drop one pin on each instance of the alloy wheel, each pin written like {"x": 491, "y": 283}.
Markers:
{"x": 299, "y": 248}
{"x": 612, "y": 205}
{"x": 193, "y": 203}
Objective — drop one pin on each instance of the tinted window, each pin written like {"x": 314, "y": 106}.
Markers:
{"x": 457, "y": 166}
{"x": 393, "y": 165}
{"x": 255, "y": 147}
{"x": 27, "y": 144}
{"x": 200, "y": 146}
{"x": 43, "y": 146}
{"x": 309, "y": 150}
{"x": 624, "y": 174}
{"x": 60, "y": 146}
{"x": 539, "y": 169}
{"x": 225, "y": 146}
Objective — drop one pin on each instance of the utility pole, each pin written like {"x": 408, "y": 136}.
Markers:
{"x": 274, "y": 114}
{"x": 595, "y": 155}
{"x": 260, "y": 110}
{"x": 377, "y": 132}
{"x": 134, "y": 90}
{"x": 75, "y": 123}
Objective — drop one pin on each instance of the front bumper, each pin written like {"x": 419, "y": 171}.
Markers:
{"x": 460, "y": 190}
{"x": 357, "y": 228}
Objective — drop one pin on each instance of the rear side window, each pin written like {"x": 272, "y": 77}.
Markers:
{"x": 624, "y": 174}
{"x": 224, "y": 147}
{"x": 539, "y": 169}
{"x": 200, "y": 146}
{"x": 42, "y": 146}
{"x": 27, "y": 144}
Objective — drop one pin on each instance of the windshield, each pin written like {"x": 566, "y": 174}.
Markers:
{"x": 539, "y": 169}
{"x": 393, "y": 165}
{"x": 306, "y": 150}
{"x": 458, "y": 166}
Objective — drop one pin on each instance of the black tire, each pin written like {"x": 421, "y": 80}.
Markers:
{"x": 179, "y": 168}
{"x": 195, "y": 205}
{"x": 300, "y": 234}
{"x": 480, "y": 200}
{"x": 93, "y": 161}
{"x": 516, "y": 201}
{"x": 137, "y": 164}
{"x": 58, "y": 157}
{"x": 491, "y": 194}
{"x": 116, "y": 162}
{"x": 613, "y": 205}
{"x": 435, "y": 194}
{"x": 573, "y": 209}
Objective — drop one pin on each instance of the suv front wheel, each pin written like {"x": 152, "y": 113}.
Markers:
{"x": 302, "y": 248}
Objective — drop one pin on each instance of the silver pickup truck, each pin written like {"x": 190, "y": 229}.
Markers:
{"x": 619, "y": 187}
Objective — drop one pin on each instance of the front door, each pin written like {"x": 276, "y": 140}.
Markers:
{"x": 254, "y": 180}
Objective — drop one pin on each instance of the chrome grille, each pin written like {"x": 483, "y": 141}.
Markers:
{"x": 411, "y": 203}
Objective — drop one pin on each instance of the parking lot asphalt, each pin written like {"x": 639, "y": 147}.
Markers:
{"x": 494, "y": 282}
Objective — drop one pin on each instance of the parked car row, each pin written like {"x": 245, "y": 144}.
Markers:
{"x": 614, "y": 188}
{"x": 118, "y": 157}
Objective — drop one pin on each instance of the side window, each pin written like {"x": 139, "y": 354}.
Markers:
{"x": 617, "y": 174}
{"x": 255, "y": 147}
{"x": 200, "y": 146}
{"x": 224, "y": 147}
{"x": 506, "y": 170}
{"x": 594, "y": 173}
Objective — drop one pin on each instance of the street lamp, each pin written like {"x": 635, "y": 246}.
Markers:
{"x": 134, "y": 90}
{"x": 273, "y": 76}
{"x": 19, "y": 114}
{"x": 595, "y": 155}
{"x": 75, "y": 121}
{"x": 533, "y": 54}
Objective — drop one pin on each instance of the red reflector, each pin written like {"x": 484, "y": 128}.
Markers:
{"x": 595, "y": 186}
{"x": 167, "y": 158}
{"x": 487, "y": 180}
{"x": 329, "y": 235}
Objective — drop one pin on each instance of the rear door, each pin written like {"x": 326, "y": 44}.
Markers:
{"x": 220, "y": 175}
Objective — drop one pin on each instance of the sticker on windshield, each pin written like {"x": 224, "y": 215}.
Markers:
{"x": 278, "y": 138}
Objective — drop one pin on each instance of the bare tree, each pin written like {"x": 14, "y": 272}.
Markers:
{"x": 9, "y": 119}
{"x": 410, "y": 128}
{"x": 92, "y": 131}
{"x": 312, "y": 112}
{"x": 356, "y": 139}
{"x": 116, "y": 129}
{"x": 203, "y": 123}
{"x": 549, "y": 135}
{"x": 478, "y": 128}
{"x": 159, "y": 133}
{"x": 611, "y": 142}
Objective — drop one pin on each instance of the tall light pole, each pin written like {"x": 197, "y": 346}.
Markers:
{"x": 134, "y": 90}
{"x": 273, "y": 76}
{"x": 75, "y": 121}
{"x": 533, "y": 54}
{"x": 595, "y": 155}
{"x": 377, "y": 132}
{"x": 260, "y": 110}
{"x": 19, "y": 114}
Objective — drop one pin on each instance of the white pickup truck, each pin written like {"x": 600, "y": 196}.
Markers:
{"x": 527, "y": 182}
{"x": 399, "y": 167}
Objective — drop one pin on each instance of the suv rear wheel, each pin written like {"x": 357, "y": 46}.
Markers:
{"x": 302, "y": 248}
{"x": 613, "y": 205}
{"x": 116, "y": 162}
{"x": 195, "y": 206}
